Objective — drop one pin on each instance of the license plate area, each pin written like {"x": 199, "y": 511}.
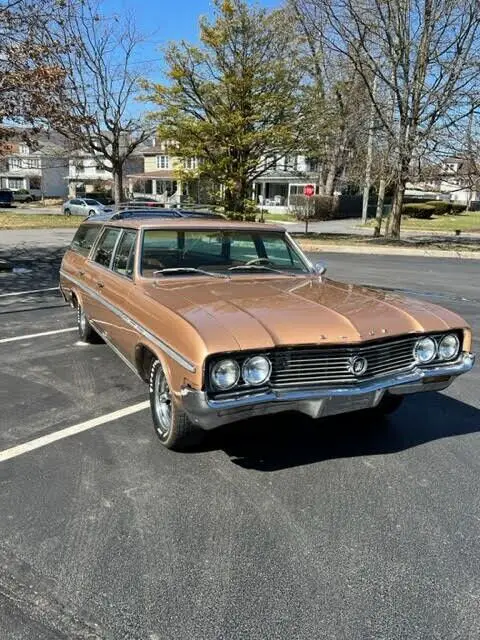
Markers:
{"x": 334, "y": 405}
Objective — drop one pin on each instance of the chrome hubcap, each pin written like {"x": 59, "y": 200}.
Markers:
{"x": 82, "y": 320}
{"x": 162, "y": 403}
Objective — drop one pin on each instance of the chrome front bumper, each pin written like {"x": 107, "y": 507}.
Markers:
{"x": 316, "y": 403}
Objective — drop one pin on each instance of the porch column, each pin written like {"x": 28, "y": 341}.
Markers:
{"x": 154, "y": 187}
{"x": 178, "y": 197}
{"x": 264, "y": 190}
{"x": 288, "y": 195}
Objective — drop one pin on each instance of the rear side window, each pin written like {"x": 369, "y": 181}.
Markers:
{"x": 105, "y": 247}
{"x": 84, "y": 238}
{"x": 125, "y": 254}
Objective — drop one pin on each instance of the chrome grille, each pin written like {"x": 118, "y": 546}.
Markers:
{"x": 324, "y": 366}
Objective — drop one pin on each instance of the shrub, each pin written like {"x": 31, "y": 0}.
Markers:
{"x": 457, "y": 208}
{"x": 316, "y": 208}
{"x": 421, "y": 211}
{"x": 441, "y": 207}
{"x": 243, "y": 217}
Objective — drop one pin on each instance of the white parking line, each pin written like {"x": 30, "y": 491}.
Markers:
{"x": 36, "y": 335}
{"x": 24, "y": 293}
{"x": 20, "y": 449}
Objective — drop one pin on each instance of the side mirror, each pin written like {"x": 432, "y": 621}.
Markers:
{"x": 320, "y": 268}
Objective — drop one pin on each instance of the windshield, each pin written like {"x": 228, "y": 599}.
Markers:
{"x": 227, "y": 252}
{"x": 92, "y": 203}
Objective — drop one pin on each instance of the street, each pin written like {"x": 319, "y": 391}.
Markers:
{"x": 280, "y": 528}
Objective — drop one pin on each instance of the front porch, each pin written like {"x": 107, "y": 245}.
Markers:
{"x": 167, "y": 189}
{"x": 276, "y": 193}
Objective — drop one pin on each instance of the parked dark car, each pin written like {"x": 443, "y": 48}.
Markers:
{"x": 23, "y": 195}
{"x": 6, "y": 198}
{"x": 103, "y": 198}
{"x": 150, "y": 213}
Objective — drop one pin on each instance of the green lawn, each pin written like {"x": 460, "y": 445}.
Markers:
{"x": 277, "y": 217}
{"x": 38, "y": 221}
{"x": 464, "y": 221}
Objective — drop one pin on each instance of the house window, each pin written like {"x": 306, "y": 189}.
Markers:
{"x": 23, "y": 149}
{"x": 15, "y": 163}
{"x": 15, "y": 183}
{"x": 162, "y": 162}
{"x": 35, "y": 182}
{"x": 190, "y": 163}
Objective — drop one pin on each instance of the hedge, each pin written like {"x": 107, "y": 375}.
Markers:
{"x": 440, "y": 207}
{"x": 423, "y": 211}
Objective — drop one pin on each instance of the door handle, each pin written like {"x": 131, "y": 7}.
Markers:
{"x": 100, "y": 285}
{"x": 81, "y": 273}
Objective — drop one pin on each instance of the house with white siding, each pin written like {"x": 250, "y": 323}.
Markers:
{"x": 38, "y": 168}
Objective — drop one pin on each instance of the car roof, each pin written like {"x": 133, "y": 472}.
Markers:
{"x": 189, "y": 223}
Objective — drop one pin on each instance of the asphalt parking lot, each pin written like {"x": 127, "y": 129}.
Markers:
{"x": 279, "y": 528}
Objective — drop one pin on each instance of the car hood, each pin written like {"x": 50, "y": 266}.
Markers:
{"x": 267, "y": 312}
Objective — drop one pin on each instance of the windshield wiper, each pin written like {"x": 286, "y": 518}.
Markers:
{"x": 173, "y": 270}
{"x": 247, "y": 267}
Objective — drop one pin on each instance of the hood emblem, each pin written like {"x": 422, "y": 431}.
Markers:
{"x": 358, "y": 365}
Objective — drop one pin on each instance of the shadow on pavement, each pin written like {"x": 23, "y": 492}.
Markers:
{"x": 291, "y": 440}
{"x": 34, "y": 268}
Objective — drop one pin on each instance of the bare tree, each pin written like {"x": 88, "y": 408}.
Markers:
{"x": 32, "y": 85}
{"x": 98, "y": 57}
{"x": 335, "y": 100}
{"x": 423, "y": 53}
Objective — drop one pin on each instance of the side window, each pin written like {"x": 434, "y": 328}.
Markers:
{"x": 84, "y": 238}
{"x": 124, "y": 258}
{"x": 104, "y": 251}
{"x": 75, "y": 201}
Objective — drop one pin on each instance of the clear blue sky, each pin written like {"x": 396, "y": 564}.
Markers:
{"x": 165, "y": 20}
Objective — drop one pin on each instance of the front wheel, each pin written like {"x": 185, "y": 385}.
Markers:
{"x": 92, "y": 212}
{"x": 67, "y": 212}
{"x": 172, "y": 425}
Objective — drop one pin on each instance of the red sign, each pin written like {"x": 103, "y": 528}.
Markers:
{"x": 309, "y": 190}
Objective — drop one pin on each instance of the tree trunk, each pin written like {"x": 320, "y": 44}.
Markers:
{"x": 117, "y": 184}
{"x": 330, "y": 181}
{"x": 379, "y": 212}
{"x": 399, "y": 192}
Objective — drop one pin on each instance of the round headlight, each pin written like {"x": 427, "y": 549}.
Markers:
{"x": 225, "y": 374}
{"x": 425, "y": 350}
{"x": 449, "y": 347}
{"x": 256, "y": 370}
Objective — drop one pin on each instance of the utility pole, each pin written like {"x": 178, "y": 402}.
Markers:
{"x": 368, "y": 166}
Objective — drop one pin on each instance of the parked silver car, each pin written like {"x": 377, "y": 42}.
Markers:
{"x": 84, "y": 207}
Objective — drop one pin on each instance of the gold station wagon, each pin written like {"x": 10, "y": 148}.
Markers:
{"x": 229, "y": 320}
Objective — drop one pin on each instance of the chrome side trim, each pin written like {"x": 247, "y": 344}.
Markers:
{"x": 115, "y": 350}
{"x": 186, "y": 364}
{"x": 210, "y": 414}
